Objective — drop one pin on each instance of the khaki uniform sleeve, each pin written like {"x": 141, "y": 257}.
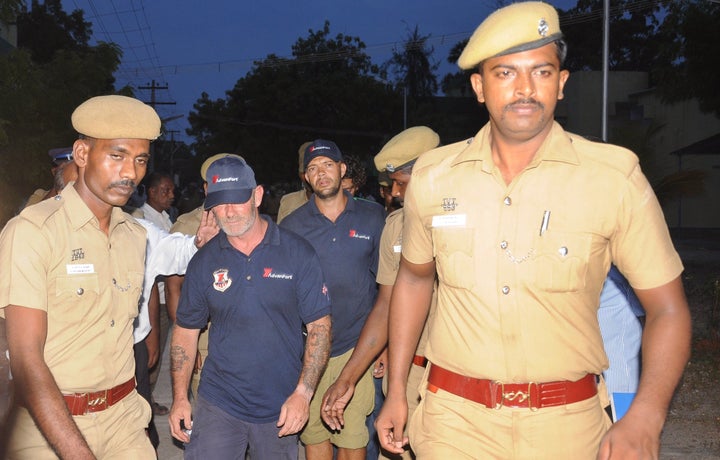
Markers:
{"x": 417, "y": 244}
{"x": 642, "y": 248}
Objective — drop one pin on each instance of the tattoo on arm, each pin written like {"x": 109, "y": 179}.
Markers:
{"x": 178, "y": 358}
{"x": 317, "y": 352}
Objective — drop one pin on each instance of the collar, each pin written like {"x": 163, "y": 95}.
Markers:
{"x": 349, "y": 206}
{"x": 79, "y": 214}
{"x": 557, "y": 147}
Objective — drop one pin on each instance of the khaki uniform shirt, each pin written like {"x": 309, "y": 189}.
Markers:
{"x": 189, "y": 222}
{"x": 55, "y": 258}
{"x": 36, "y": 197}
{"x": 515, "y": 303}
{"x": 389, "y": 264}
{"x": 290, "y": 202}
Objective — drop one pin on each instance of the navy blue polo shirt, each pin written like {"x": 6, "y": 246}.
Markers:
{"x": 348, "y": 252}
{"x": 258, "y": 304}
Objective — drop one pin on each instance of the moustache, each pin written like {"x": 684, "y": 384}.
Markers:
{"x": 123, "y": 183}
{"x": 528, "y": 101}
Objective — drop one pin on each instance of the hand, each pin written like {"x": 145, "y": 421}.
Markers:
{"x": 207, "y": 230}
{"x": 180, "y": 410}
{"x": 631, "y": 439}
{"x": 152, "y": 341}
{"x": 334, "y": 402}
{"x": 390, "y": 424}
{"x": 293, "y": 414}
{"x": 380, "y": 365}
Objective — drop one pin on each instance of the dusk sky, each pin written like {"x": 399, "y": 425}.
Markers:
{"x": 192, "y": 46}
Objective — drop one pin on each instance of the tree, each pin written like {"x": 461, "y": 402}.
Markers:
{"x": 328, "y": 89}
{"x": 60, "y": 31}
{"x": 412, "y": 68}
{"x": 633, "y": 35}
{"x": 9, "y": 9}
{"x": 688, "y": 65}
{"x": 37, "y": 100}
{"x": 458, "y": 83}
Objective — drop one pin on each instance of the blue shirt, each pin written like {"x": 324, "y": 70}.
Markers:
{"x": 621, "y": 332}
{"x": 258, "y": 304}
{"x": 348, "y": 252}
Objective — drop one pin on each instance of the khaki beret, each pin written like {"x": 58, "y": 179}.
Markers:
{"x": 405, "y": 148}
{"x": 301, "y": 156}
{"x": 206, "y": 164}
{"x": 116, "y": 117}
{"x": 518, "y": 27}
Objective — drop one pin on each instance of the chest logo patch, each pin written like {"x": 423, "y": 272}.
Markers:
{"x": 77, "y": 254}
{"x": 449, "y": 204}
{"x": 355, "y": 234}
{"x": 222, "y": 280}
{"x": 269, "y": 273}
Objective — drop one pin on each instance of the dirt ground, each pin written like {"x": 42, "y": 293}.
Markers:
{"x": 692, "y": 429}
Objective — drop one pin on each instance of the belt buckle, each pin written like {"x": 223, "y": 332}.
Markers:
{"x": 95, "y": 403}
{"x": 520, "y": 396}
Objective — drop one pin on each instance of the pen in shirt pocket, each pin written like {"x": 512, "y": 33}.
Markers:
{"x": 545, "y": 222}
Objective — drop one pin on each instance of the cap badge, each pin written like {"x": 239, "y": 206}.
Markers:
{"x": 390, "y": 167}
{"x": 543, "y": 27}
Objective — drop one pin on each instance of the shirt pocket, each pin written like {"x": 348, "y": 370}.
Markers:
{"x": 562, "y": 261}
{"x": 455, "y": 263}
{"x": 130, "y": 291}
{"x": 74, "y": 298}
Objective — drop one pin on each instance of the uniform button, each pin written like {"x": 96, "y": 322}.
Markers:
{"x": 503, "y": 245}
{"x": 112, "y": 323}
{"x": 58, "y": 197}
{"x": 80, "y": 291}
{"x": 334, "y": 239}
{"x": 505, "y": 290}
{"x": 248, "y": 277}
{"x": 563, "y": 251}
{"x": 507, "y": 201}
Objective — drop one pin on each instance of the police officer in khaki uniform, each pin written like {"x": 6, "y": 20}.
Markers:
{"x": 396, "y": 158}
{"x": 73, "y": 272}
{"x": 293, "y": 200}
{"x": 521, "y": 224}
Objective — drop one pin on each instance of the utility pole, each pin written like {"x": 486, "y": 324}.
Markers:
{"x": 153, "y": 103}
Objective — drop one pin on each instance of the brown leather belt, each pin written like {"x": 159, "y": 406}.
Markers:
{"x": 84, "y": 403}
{"x": 494, "y": 394}
{"x": 420, "y": 360}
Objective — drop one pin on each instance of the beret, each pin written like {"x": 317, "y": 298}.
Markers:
{"x": 116, "y": 117}
{"x": 406, "y": 147}
{"x": 517, "y": 27}
{"x": 206, "y": 164}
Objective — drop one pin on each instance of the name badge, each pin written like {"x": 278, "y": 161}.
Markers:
{"x": 397, "y": 248}
{"x": 449, "y": 220}
{"x": 79, "y": 269}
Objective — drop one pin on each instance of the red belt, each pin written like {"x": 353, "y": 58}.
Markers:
{"x": 420, "y": 360}
{"x": 84, "y": 403}
{"x": 494, "y": 394}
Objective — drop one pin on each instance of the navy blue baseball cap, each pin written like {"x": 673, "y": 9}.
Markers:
{"x": 60, "y": 155}
{"x": 229, "y": 181}
{"x": 322, "y": 148}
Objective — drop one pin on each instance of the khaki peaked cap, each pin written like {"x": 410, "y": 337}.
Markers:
{"x": 116, "y": 117}
{"x": 517, "y": 27}
{"x": 405, "y": 148}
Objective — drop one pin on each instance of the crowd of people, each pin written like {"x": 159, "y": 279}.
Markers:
{"x": 506, "y": 289}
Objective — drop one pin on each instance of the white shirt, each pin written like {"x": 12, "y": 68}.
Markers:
{"x": 161, "y": 219}
{"x": 166, "y": 254}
